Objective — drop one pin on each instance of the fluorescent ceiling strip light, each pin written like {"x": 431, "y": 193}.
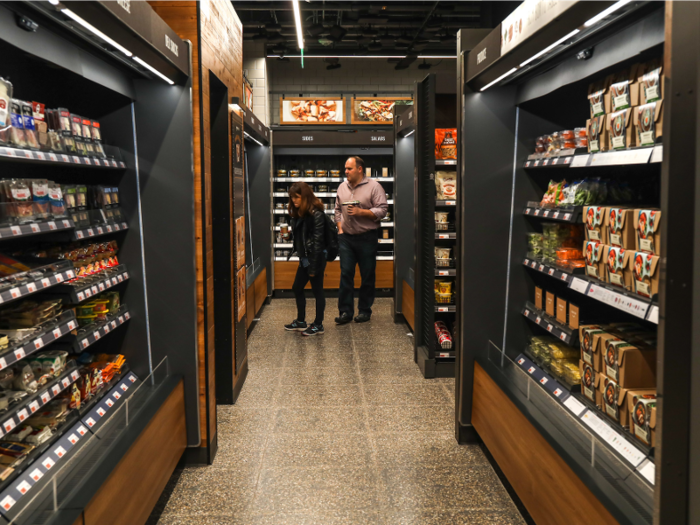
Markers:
{"x": 53, "y": 2}
{"x": 96, "y": 31}
{"x": 251, "y": 138}
{"x": 409, "y": 133}
{"x": 504, "y": 75}
{"x": 597, "y": 18}
{"x": 297, "y": 21}
{"x": 549, "y": 48}
{"x": 351, "y": 56}
{"x": 154, "y": 70}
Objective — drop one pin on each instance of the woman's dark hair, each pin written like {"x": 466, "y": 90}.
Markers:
{"x": 309, "y": 201}
{"x": 358, "y": 162}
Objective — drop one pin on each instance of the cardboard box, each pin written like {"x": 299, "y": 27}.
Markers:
{"x": 621, "y": 232}
{"x": 646, "y": 224}
{"x": 588, "y": 340}
{"x": 645, "y": 277}
{"x": 651, "y": 81}
{"x": 574, "y": 318}
{"x": 596, "y": 97}
{"x": 550, "y": 304}
{"x": 562, "y": 311}
{"x": 614, "y": 400}
{"x": 618, "y": 267}
{"x": 595, "y": 227}
{"x": 538, "y": 298}
{"x": 620, "y": 130}
{"x": 628, "y": 365}
{"x": 595, "y": 262}
{"x": 590, "y": 381}
{"x": 648, "y": 123}
{"x": 623, "y": 90}
{"x": 641, "y": 405}
{"x": 597, "y": 133}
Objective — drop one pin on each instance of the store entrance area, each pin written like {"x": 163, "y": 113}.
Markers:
{"x": 337, "y": 428}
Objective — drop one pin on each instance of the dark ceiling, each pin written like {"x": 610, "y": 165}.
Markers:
{"x": 366, "y": 28}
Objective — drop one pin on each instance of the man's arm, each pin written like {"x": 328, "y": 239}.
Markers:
{"x": 338, "y": 214}
{"x": 379, "y": 206}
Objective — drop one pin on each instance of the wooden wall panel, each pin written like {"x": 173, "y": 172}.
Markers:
{"x": 552, "y": 495}
{"x": 221, "y": 53}
{"x": 133, "y": 488}
{"x": 408, "y": 304}
{"x": 260, "y": 290}
{"x": 286, "y": 271}
{"x": 250, "y": 305}
{"x": 79, "y": 521}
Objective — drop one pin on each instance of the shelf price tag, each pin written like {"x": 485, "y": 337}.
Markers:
{"x": 90, "y": 422}
{"x": 81, "y": 296}
{"x": 450, "y": 203}
{"x": 96, "y": 335}
{"x": 23, "y": 414}
{"x": 66, "y": 224}
{"x": 45, "y": 398}
{"x": 35, "y": 227}
{"x": 36, "y": 474}
{"x": 23, "y": 487}
{"x": 537, "y": 211}
{"x": 527, "y": 211}
{"x": 79, "y": 234}
{"x": 579, "y": 285}
{"x": 16, "y": 230}
{"x": 88, "y": 293}
{"x": 48, "y": 463}
{"x": 99, "y": 230}
{"x": 564, "y": 277}
{"x": 53, "y": 157}
{"x": 109, "y": 403}
{"x": 20, "y": 353}
{"x": 538, "y": 319}
{"x": 541, "y": 268}
{"x": 521, "y": 360}
{"x": 70, "y": 274}
{"x": 555, "y": 215}
{"x": 562, "y": 336}
{"x": 442, "y": 309}
{"x": 38, "y": 343}
{"x": 3, "y": 363}
{"x": 34, "y": 406}
{"x": 120, "y": 278}
{"x": 546, "y": 213}
{"x": 527, "y": 313}
{"x": 45, "y": 283}
{"x": 109, "y": 228}
{"x": 533, "y": 264}
{"x": 65, "y": 382}
{"x": 8, "y": 502}
{"x": 101, "y": 286}
{"x": 74, "y": 375}
{"x": 121, "y": 319}
{"x": 14, "y": 292}
{"x": 71, "y": 325}
{"x": 76, "y": 160}
{"x": 549, "y": 327}
{"x": 82, "y": 430}
{"x": 95, "y": 290}
{"x": 531, "y": 370}
{"x": 60, "y": 451}
{"x": 558, "y": 392}
{"x": 9, "y": 425}
{"x": 114, "y": 324}
{"x": 101, "y": 411}
{"x": 544, "y": 381}
{"x": 87, "y": 161}
{"x": 56, "y": 389}
{"x": 551, "y": 271}
{"x": 90, "y": 232}
{"x": 73, "y": 439}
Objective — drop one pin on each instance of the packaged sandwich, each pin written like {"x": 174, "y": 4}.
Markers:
{"x": 30, "y": 134}
{"x": 17, "y": 137}
{"x": 5, "y": 110}
{"x": 64, "y": 122}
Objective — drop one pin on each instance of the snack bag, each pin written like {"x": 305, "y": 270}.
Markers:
{"x": 446, "y": 185}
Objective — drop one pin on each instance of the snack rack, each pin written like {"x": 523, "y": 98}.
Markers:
{"x": 318, "y": 159}
{"x": 625, "y": 480}
{"x": 437, "y": 247}
{"x": 153, "y": 173}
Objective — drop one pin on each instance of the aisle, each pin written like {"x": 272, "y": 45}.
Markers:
{"x": 338, "y": 428}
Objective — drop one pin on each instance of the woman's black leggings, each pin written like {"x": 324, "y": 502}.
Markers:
{"x": 300, "y": 281}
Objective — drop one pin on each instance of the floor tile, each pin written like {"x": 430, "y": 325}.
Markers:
{"x": 317, "y": 449}
{"x": 343, "y": 375}
{"x": 319, "y": 396}
{"x": 257, "y": 395}
{"x": 411, "y": 419}
{"x": 335, "y": 419}
{"x": 463, "y": 487}
{"x": 406, "y": 394}
{"x": 431, "y": 449}
{"x": 289, "y": 490}
{"x": 319, "y": 358}
{"x": 384, "y": 374}
{"x": 316, "y": 517}
{"x": 453, "y": 517}
{"x": 234, "y": 420}
{"x": 203, "y": 520}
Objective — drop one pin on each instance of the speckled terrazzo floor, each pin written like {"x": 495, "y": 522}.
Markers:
{"x": 337, "y": 429}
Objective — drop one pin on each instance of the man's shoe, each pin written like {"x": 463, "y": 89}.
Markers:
{"x": 314, "y": 329}
{"x": 362, "y": 318}
{"x": 296, "y": 325}
{"x": 343, "y": 318}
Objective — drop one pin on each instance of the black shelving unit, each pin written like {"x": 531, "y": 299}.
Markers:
{"x": 435, "y": 108}
{"x": 634, "y": 483}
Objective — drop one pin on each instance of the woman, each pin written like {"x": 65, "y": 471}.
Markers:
{"x": 308, "y": 230}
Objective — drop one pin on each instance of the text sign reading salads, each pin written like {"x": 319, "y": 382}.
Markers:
{"x": 332, "y": 138}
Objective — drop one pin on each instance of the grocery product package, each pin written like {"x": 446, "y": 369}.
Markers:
{"x": 596, "y": 229}
{"x": 629, "y": 365}
{"x": 642, "y": 415}
{"x": 589, "y": 335}
{"x": 651, "y": 81}
{"x": 590, "y": 383}
{"x": 596, "y": 98}
{"x": 620, "y": 228}
{"x": 597, "y": 133}
{"x": 5, "y": 110}
{"x": 648, "y": 123}
{"x": 646, "y": 223}
{"x": 618, "y": 267}
{"x": 595, "y": 263}
{"x": 446, "y": 144}
{"x": 620, "y": 130}
{"x": 446, "y": 185}
{"x": 646, "y": 277}
{"x": 624, "y": 90}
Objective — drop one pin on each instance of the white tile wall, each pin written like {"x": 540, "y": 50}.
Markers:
{"x": 255, "y": 67}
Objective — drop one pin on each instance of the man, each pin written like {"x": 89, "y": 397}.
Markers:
{"x": 358, "y": 240}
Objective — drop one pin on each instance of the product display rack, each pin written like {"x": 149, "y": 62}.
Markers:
{"x": 328, "y": 150}
{"x": 625, "y": 480}
{"x": 435, "y": 102}
{"x": 63, "y": 64}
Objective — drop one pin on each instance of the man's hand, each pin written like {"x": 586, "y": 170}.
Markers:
{"x": 340, "y": 227}
{"x": 359, "y": 212}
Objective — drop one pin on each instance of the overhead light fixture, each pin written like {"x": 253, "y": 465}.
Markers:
{"x": 297, "y": 21}
{"x": 96, "y": 31}
{"x": 253, "y": 139}
{"x": 153, "y": 70}
{"x": 409, "y": 133}
{"x": 597, "y": 18}
{"x": 53, "y": 2}
{"x": 549, "y": 48}
{"x": 499, "y": 79}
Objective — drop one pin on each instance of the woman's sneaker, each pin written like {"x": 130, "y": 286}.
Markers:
{"x": 296, "y": 325}
{"x": 314, "y": 329}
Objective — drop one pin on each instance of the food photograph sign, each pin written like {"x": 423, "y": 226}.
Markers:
{"x": 375, "y": 110}
{"x": 306, "y": 110}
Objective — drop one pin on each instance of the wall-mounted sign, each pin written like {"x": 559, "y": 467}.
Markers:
{"x": 334, "y": 138}
{"x": 375, "y": 111}
{"x": 240, "y": 293}
{"x": 240, "y": 241}
{"x": 528, "y": 18}
{"x": 306, "y": 110}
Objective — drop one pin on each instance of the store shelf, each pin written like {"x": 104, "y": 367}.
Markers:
{"x": 109, "y": 403}
{"x": 47, "y": 281}
{"x": 19, "y": 412}
{"x": 446, "y": 235}
{"x": 89, "y": 286}
{"x": 91, "y": 334}
{"x": 390, "y": 201}
{"x": 552, "y": 271}
{"x": 385, "y": 257}
{"x": 386, "y": 241}
{"x": 283, "y": 245}
{"x": 445, "y": 162}
{"x": 567, "y": 214}
{"x": 384, "y": 179}
{"x": 308, "y": 179}
{"x": 296, "y": 259}
{"x": 623, "y": 300}
{"x": 445, "y": 203}
{"x": 445, "y": 308}
{"x": 96, "y": 231}
{"x": 33, "y": 228}
{"x": 23, "y": 155}
{"x": 51, "y": 331}
{"x": 386, "y": 224}
{"x": 629, "y": 157}
{"x": 447, "y": 272}
{"x": 560, "y": 331}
